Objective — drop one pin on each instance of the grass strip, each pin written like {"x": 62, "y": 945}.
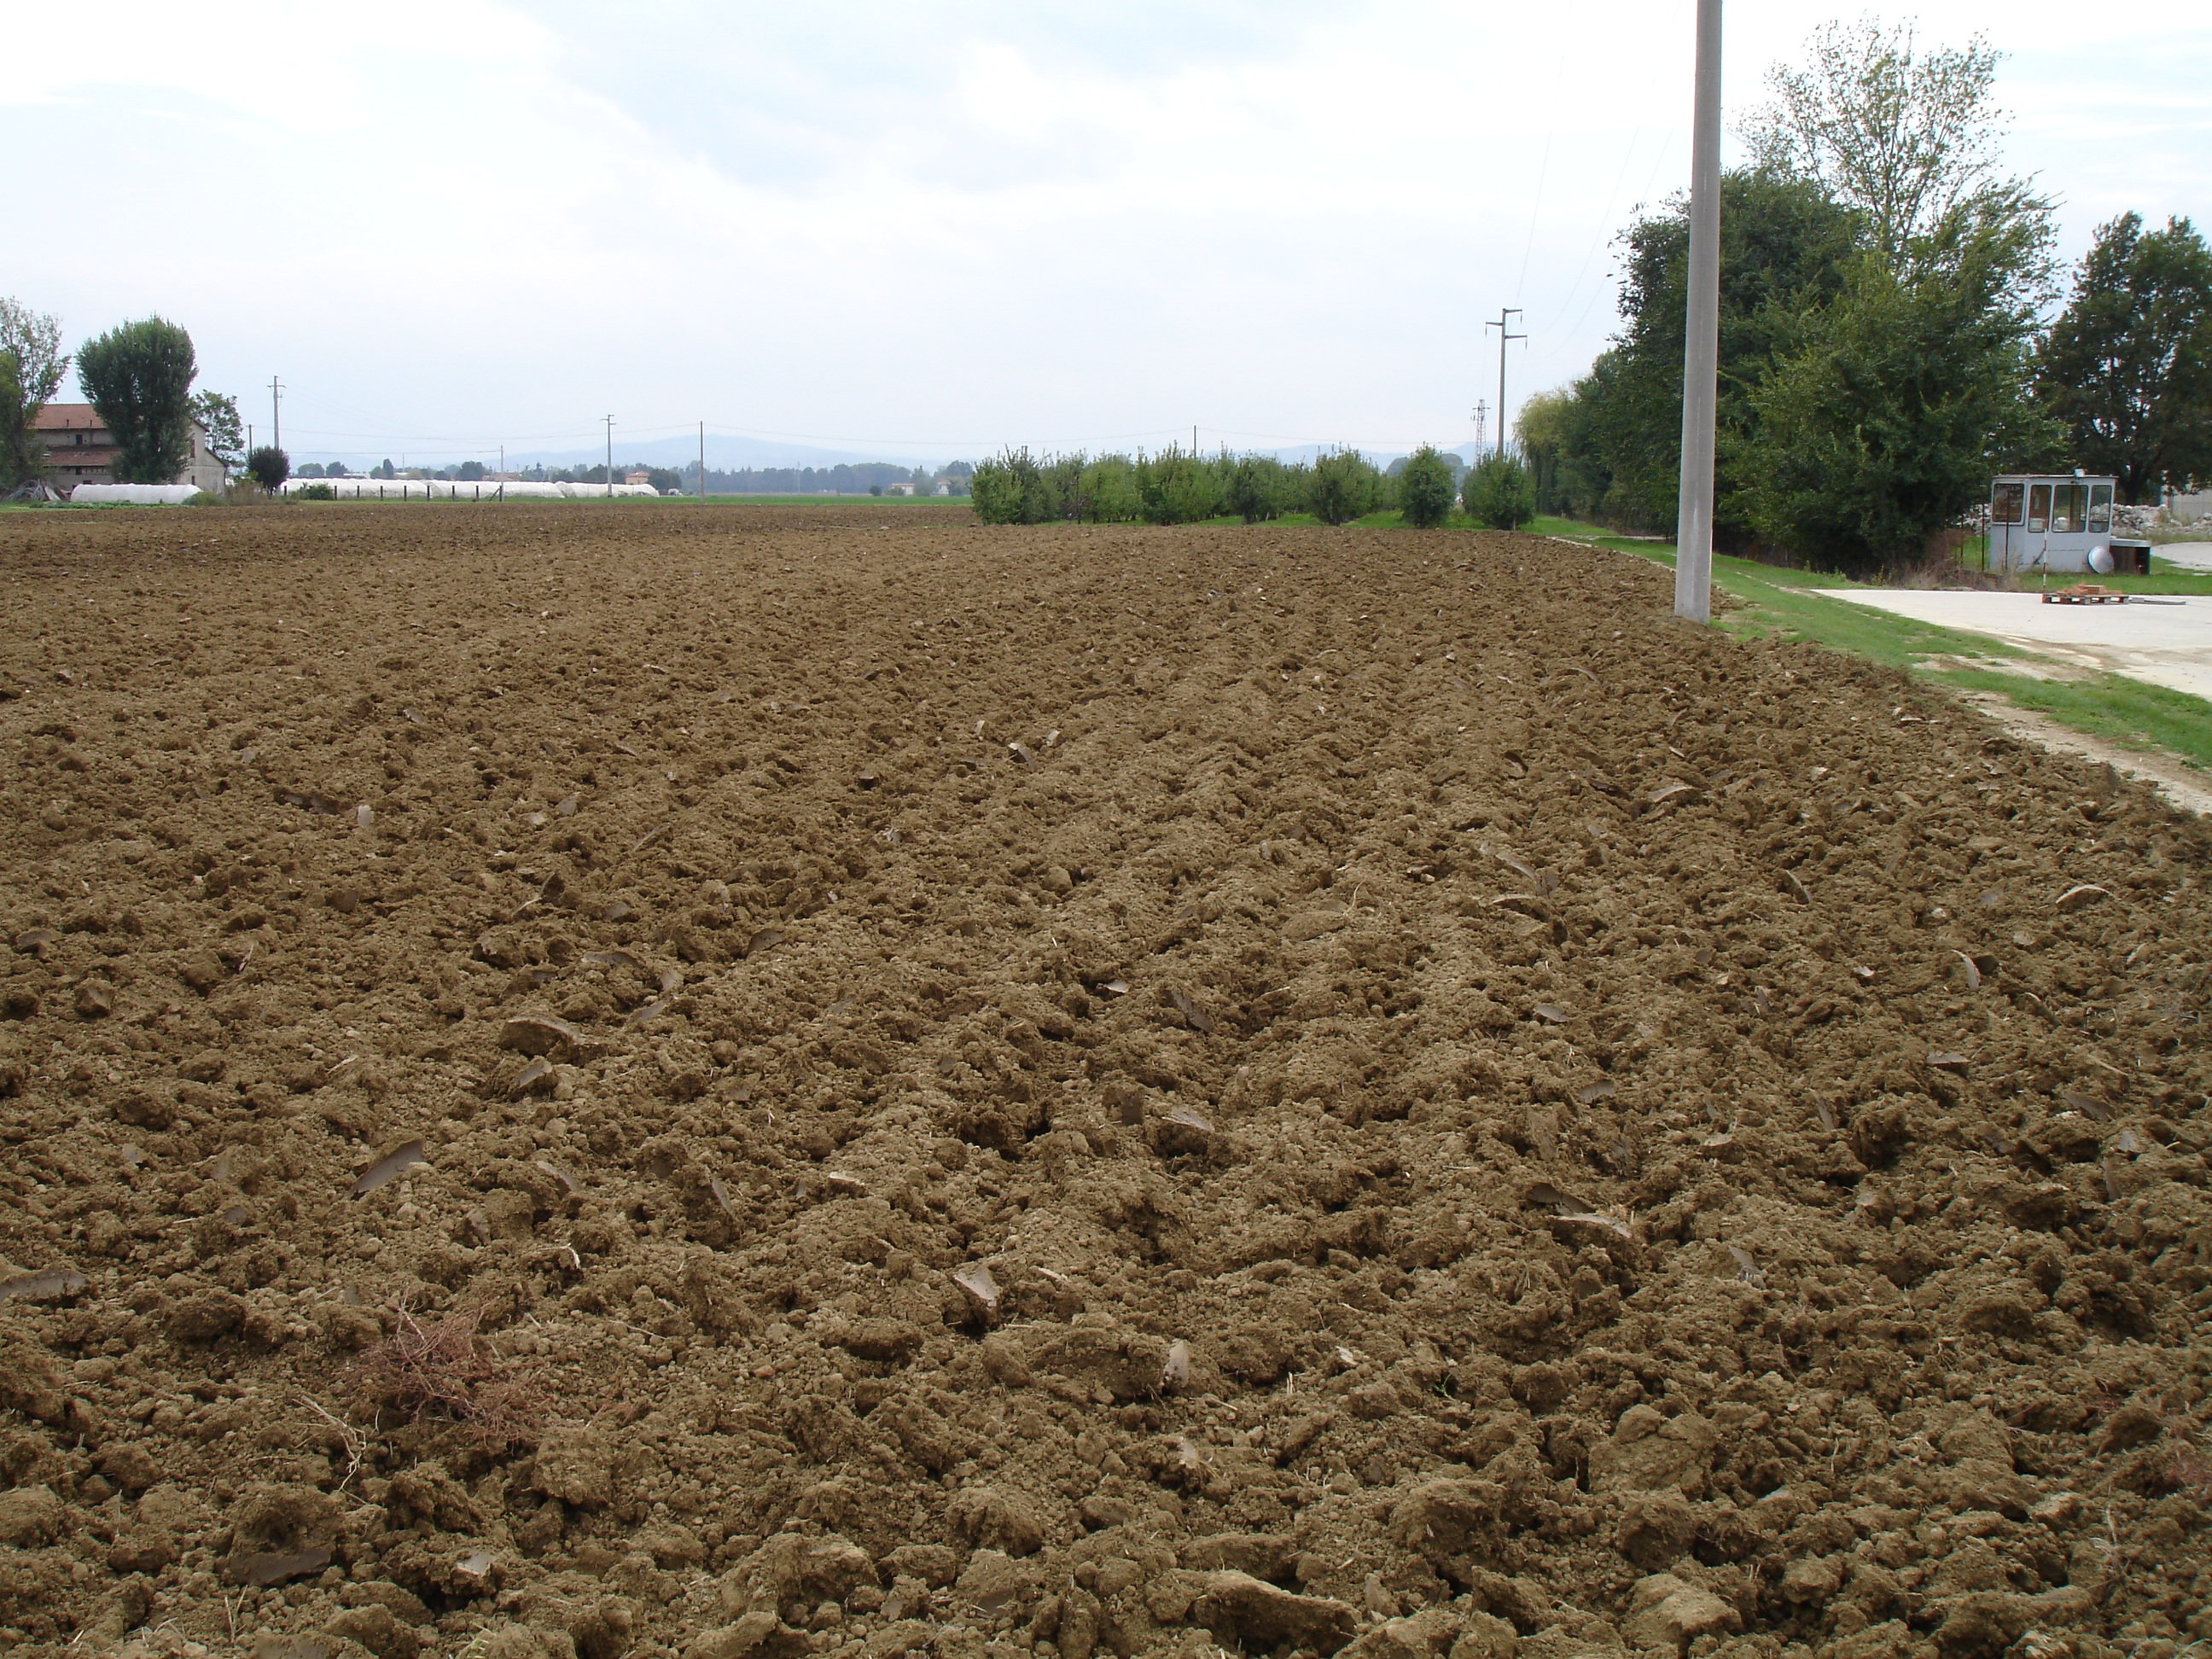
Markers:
{"x": 2127, "y": 713}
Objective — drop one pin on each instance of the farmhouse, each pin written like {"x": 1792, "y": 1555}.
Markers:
{"x": 82, "y": 451}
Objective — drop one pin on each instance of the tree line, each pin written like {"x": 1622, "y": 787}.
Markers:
{"x": 845, "y": 478}
{"x": 138, "y": 379}
{"x": 1890, "y": 331}
{"x": 1179, "y": 486}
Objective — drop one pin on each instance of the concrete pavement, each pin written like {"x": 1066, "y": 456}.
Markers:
{"x": 2168, "y": 644}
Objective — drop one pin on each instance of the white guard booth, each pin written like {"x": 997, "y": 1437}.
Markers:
{"x": 2061, "y": 522}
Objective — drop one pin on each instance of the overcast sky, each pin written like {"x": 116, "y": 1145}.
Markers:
{"x": 927, "y": 229}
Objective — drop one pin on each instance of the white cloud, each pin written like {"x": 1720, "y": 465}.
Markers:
{"x": 953, "y": 225}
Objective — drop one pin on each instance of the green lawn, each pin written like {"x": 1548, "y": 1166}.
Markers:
{"x": 1788, "y": 604}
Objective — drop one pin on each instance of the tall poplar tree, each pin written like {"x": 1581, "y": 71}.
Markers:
{"x": 2128, "y": 365}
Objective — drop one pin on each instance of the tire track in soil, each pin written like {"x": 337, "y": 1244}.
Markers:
{"x": 1486, "y": 1119}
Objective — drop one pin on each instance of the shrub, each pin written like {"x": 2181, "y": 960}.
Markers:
{"x": 1005, "y": 488}
{"x": 1178, "y": 488}
{"x": 1424, "y": 488}
{"x": 1259, "y": 488}
{"x": 315, "y": 492}
{"x": 1498, "y": 493}
{"x": 269, "y": 466}
{"x": 1342, "y": 487}
{"x": 1109, "y": 491}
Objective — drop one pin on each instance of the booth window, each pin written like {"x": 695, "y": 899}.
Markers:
{"x": 2069, "y": 509}
{"x": 2100, "y": 508}
{"x": 2004, "y": 503}
{"x": 2039, "y": 507}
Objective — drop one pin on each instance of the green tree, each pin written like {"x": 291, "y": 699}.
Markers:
{"x": 1908, "y": 392}
{"x": 1907, "y": 139}
{"x": 269, "y": 466}
{"x": 2128, "y": 365}
{"x": 1783, "y": 248}
{"x": 218, "y": 414}
{"x": 30, "y": 369}
{"x": 1424, "y": 488}
{"x": 1109, "y": 491}
{"x": 1342, "y": 486}
{"x": 138, "y": 378}
{"x": 1260, "y": 489}
{"x": 1007, "y": 488}
{"x": 1498, "y": 492}
{"x": 1178, "y": 488}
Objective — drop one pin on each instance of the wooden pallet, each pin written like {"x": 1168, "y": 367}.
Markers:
{"x": 2084, "y": 593}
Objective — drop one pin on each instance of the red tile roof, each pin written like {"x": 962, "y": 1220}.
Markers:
{"x": 61, "y": 417}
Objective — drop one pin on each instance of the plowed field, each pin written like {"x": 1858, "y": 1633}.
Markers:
{"x": 763, "y": 1082}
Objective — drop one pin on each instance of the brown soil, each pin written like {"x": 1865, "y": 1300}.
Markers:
{"x": 770, "y": 1082}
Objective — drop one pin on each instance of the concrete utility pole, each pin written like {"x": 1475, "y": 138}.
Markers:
{"x": 1693, "y": 523}
{"x": 275, "y": 412}
{"x": 611, "y": 458}
{"x": 1504, "y": 333}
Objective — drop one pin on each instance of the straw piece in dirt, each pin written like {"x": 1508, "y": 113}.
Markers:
{"x": 1795, "y": 887}
{"x": 1194, "y": 1016}
{"x": 1612, "y": 1224}
{"x": 387, "y": 1169}
{"x": 45, "y": 1287}
{"x": 265, "y": 1568}
{"x": 2081, "y": 897}
{"x": 1590, "y": 1094}
{"x": 1175, "y": 1373}
{"x": 538, "y": 1034}
{"x": 1945, "y": 1060}
{"x": 1184, "y": 1117}
{"x": 1526, "y": 873}
{"x": 1746, "y": 1267}
{"x": 568, "y": 1183}
{"x": 976, "y": 1280}
{"x": 1972, "y": 971}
